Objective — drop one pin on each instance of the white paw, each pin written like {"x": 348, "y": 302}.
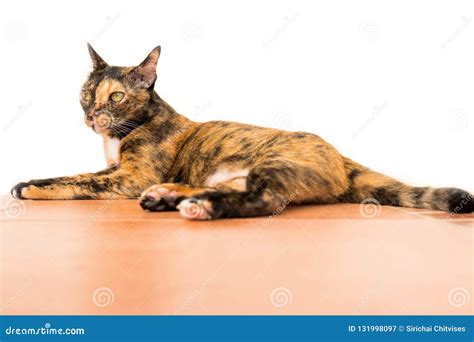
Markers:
{"x": 195, "y": 209}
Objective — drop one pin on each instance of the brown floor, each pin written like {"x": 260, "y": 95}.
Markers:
{"x": 110, "y": 257}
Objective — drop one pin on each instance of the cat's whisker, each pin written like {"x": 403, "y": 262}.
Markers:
{"x": 119, "y": 131}
{"x": 129, "y": 124}
{"x": 126, "y": 127}
{"x": 129, "y": 121}
{"x": 122, "y": 131}
{"x": 126, "y": 123}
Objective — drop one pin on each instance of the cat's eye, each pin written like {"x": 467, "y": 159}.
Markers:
{"x": 86, "y": 96}
{"x": 117, "y": 96}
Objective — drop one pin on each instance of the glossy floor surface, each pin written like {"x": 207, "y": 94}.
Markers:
{"x": 111, "y": 257}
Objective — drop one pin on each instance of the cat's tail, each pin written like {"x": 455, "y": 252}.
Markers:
{"x": 367, "y": 185}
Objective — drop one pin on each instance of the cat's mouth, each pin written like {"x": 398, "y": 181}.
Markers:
{"x": 101, "y": 123}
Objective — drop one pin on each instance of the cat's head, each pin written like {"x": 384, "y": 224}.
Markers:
{"x": 115, "y": 98}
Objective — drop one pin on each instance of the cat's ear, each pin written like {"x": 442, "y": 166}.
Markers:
{"x": 145, "y": 73}
{"x": 97, "y": 61}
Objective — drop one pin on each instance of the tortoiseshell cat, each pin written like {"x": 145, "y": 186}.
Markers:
{"x": 215, "y": 169}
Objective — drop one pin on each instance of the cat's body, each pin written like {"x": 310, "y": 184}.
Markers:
{"x": 215, "y": 169}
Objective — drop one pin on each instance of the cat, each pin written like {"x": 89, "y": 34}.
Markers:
{"x": 215, "y": 169}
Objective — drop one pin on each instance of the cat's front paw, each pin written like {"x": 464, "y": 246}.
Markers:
{"x": 17, "y": 190}
{"x": 23, "y": 190}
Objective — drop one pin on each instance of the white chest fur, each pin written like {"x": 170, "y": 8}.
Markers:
{"x": 111, "y": 150}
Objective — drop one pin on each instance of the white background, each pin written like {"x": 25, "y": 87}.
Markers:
{"x": 390, "y": 84}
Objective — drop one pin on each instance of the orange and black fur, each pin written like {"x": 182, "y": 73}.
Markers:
{"x": 215, "y": 169}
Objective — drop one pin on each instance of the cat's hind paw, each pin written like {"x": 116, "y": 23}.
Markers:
{"x": 195, "y": 209}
